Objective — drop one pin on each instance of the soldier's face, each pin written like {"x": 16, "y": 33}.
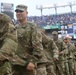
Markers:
{"x": 55, "y": 36}
{"x": 66, "y": 40}
{"x": 21, "y": 15}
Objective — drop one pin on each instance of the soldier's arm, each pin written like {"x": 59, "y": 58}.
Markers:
{"x": 55, "y": 49}
{"x": 2, "y": 56}
{"x": 7, "y": 52}
{"x": 12, "y": 32}
{"x": 73, "y": 50}
{"x": 63, "y": 48}
{"x": 36, "y": 43}
{"x": 9, "y": 46}
{"x": 7, "y": 49}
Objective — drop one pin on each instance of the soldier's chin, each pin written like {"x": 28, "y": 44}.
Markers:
{"x": 19, "y": 19}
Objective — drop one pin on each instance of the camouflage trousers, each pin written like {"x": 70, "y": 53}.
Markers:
{"x": 66, "y": 68}
{"x": 41, "y": 69}
{"x": 50, "y": 69}
{"x": 70, "y": 67}
{"x": 60, "y": 67}
{"x": 21, "y": 70}
{"x": 5, "y": 69}
{"x": 75, "y": 67}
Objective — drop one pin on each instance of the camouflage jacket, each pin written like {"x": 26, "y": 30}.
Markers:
{"x": 7, "y": 52}
{"x": 50, "y": 48}
{"x": 29, "y": 45}
{"x": 8, "y": 40}
{"x": 61, "y": 47}
{"x": 70, "y": 51}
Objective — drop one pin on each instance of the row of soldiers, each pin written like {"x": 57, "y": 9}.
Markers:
{"x": 67, "y": 55}
{"x": 25, "y": 50}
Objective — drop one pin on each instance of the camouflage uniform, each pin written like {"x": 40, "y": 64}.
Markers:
{"x": 30, "y": 48}
{"x": 70, "y": 58}
{"x": 7, "y": 45}
{"x": 70, "y": 70}
{"x": 51, "y": 52}
{"x": 60, "y": 67}
{"x": 41, "y": 65}
{"x": 75, "y": 64}
{"x": 75, "y": 58}
{"x": 62, "y": 48}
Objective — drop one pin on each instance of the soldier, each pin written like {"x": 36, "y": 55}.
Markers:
{"x": 7, "y": 44}
{"x": 40, "y": 66}
{"x": 70, "y": 55}
{"x": 60, "y": 68}
{"x": 30, "y": 47}
{"x": 75, "y": 58}
{"x": 51, "y": 52}
{"x": 75, "y": 64}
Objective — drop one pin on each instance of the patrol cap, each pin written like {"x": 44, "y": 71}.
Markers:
{"x": 21, "y": 7}
{"x": 54, "y": 32}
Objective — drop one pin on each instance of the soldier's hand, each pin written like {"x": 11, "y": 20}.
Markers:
{"x": 30, "y": 66}
{"x": 2, "y": 57}
{"x": 60, "y": 53}
{"x": 55, "y": 59}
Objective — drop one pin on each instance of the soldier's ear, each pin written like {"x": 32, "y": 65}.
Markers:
{"x": 27, "y": 13}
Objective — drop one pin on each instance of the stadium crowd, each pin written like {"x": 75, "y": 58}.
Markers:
{"x": 59, "y": 19}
